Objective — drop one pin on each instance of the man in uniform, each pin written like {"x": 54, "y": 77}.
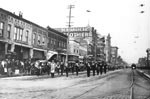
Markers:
{"x": 66, "y": 68}
{"x": 105, "y": 67}
{"x": 88, "y": 67}
{"x": 93, "y": 68}
{"x": 97, "y": 67}
{"x": 101, "y": 68}
{"x": 77, "y": 68}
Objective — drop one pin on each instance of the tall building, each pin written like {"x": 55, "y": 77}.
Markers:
{"x": 88, "y": 34}
{"x": 114, "y": 55}
{"x": 108, "y": 49}
{"x": 100, "y": 50}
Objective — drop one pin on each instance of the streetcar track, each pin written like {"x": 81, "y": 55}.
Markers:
{"x": 137, "y": 85}
{"x": 108, "y": 94}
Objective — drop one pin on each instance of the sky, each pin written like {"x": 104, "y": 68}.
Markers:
{"x": 129, "y": 29}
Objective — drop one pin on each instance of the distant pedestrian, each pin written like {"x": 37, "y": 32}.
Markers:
{"x": 62, "y": 68}
{"x": 88, "y": 67}
{"x": 66, "y": 68}
{"x": 101, "y": 68}
{"x": 58, "y": 68}
{"x": 48, "y": 67}
{"x": 53, "y": 66}
{"x": 93, "y": 68}
{"x": 105, "y": 67}
{"x": 9, "y": 68}
{"x": 77, "y": 68}
{"x": 72, "y": 68}
{"x": 97, "y": 68}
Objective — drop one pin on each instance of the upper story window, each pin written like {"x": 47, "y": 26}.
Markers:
{"x": 34, "y": 34}
{"x": 43, "y": 40}
{"x": 18, "y": 33}
{"x": 8, "y": 31}
{"x": 27, "y": 36}
{"x": 21, "y": 34}
{"x": 1, "y": 28}
{"x": 39, "y": 37}
{"x": 15, "y": 33}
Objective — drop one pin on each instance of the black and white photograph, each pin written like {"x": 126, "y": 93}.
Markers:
{"x": 74, "y": 49}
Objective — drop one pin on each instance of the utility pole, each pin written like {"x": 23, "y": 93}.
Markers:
{"x": 69, "y": 25}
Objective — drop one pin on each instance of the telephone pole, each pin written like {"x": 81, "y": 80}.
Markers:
{"x": 69, "y": 25}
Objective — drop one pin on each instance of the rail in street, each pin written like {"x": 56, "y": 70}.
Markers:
{"x": 118, "y": 84}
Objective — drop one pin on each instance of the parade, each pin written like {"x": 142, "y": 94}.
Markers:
{"x": 13, "y": 67}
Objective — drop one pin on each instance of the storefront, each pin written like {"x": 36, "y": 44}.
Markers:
{"x": 38, "y": 55}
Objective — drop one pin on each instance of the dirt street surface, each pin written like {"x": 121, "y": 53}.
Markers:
{"x": 113, "y": 85}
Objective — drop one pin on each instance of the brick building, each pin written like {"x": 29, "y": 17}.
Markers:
{"x": 27, "y": 39}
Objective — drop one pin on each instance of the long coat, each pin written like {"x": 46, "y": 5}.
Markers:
{"x": 53, "y": 66}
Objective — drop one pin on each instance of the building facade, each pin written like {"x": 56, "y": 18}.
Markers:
{"x": 27, "y": 39}
{"x": 87, "y": 34}
{"x": 57, "y": 45}
{"x": 100, "y": 50}
{"x": 108, "y": 49}
{"x": 114, "y": 55}
{"x": 15, "y": 35}
{"x": 73, "y": 50}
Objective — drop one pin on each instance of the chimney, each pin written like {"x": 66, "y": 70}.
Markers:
{"x": 20, "y": 14}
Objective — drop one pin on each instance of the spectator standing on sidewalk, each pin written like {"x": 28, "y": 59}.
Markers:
{"x": 53, "y": 66}
{"x": 58, "y": 67}
{"x": 9, "y": 69}
{"x": 48, "y": 67}
{"x": 62, "y": 68}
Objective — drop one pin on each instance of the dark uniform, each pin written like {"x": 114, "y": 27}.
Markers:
{"x": 101, "y": 68}
{"x": 77, "y": 68}
{"x": 105, "y": 67}
{"x": 62, "y": 68}
{"x": 88, "y": 67}
{"x": 93, "y": 68}
{"x": 66, "y": 69}
{"x": 72, "y": 68}
{"x": 97, "y": 68}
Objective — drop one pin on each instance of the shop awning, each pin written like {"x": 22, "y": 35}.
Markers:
{"x": 50, "y": 54}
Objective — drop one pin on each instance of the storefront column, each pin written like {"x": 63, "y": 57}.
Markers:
{"x": 45, "y": 54}
{"x": 12, "y": 47}
{"x": 31, "y": 53}
{"x": 6, "y": 48}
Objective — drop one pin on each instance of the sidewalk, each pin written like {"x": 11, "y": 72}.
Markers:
{"x": 29, "y": 77}
{"x": 145, "y": 72}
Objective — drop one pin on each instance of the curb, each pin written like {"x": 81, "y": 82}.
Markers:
{"x": 147, "y": 75}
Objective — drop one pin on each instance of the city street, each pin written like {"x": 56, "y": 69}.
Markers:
{"x": 113, "y": 85}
